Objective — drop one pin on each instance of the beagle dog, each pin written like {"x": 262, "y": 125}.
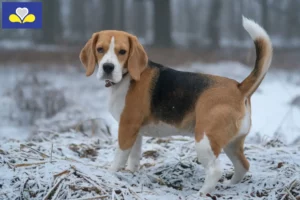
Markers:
{"x": 149, "y": 99}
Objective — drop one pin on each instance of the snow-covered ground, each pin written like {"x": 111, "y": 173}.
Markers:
{"x": 66, "y": 156}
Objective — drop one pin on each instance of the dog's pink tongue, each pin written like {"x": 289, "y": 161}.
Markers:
{"x": 108, "y": 83}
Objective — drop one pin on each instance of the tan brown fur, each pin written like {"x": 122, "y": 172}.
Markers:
{"x": 218, "y": 113}
{"x": 136, "y": 111}
{"x": 263, "y": 56}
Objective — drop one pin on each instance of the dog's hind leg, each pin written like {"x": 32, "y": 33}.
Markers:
{"x": 210, "y": 162}
{"x": 214, "y": 130}
{"x": 235, "y": 151}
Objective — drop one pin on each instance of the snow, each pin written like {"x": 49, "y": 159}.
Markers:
{"x": 29, "y": 45}
{"x": 168, "y": 167}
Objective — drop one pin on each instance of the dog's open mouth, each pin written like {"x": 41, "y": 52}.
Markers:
{"x": 108, "y": 83}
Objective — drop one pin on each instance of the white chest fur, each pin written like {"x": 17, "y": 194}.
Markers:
{"x": 117, "y": 97}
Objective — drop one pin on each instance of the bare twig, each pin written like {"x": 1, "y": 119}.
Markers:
{"x": 51, "y": 152}
{"x": 23, "y": 186}
{"x": 53, "y": 190}
{"x": 57, "y": 191}
{"x": 290, "y": 194}
{"x": 10, "y": 166}
{"x": 86, "y": 189}
{"x": 61, "y": 173}
{"x": 22, "y": 146}
{"x": 88, "y": 179}
{"x": 134, "y": 193}
{"x": 288, "y": 190}
{"x": 28, "y": 164}
{"x": 292, "y": 184}
{"x": 92, "y": 198}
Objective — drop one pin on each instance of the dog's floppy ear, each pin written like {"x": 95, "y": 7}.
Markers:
{"x": 88, "y": 55}
{"x": 137, "y": 59}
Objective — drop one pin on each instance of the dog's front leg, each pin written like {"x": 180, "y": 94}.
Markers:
{"x": 128, "y": 133}
{"x": 135, "y": 155}
{"x": 120, "y": 159}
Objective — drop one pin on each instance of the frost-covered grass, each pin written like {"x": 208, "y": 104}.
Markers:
{"x": 74, "y": 166}
{"x": 67, "y": 156}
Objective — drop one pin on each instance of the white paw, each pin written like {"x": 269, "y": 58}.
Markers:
{"x": 133, "y": 167}
{"x": 113, "y": 168}
{"x": 227, "y": 182}
{"x": 205, "y": 190}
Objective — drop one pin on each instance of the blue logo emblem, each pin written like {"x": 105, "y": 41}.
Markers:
{"x": 23, "y": 15}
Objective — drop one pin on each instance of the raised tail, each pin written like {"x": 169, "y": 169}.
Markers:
{"x": 264, "y": 53}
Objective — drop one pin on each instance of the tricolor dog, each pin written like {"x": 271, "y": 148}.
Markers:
{"x": 149, "y": 99}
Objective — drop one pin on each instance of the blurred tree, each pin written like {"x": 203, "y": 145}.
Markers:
{"x": 140, "y": 18}
{"x": 292, "y": 19}
{"x": 213, "y": 23}
{"x": 265, "y": 14}
{"x": 109, "y": 15}
{"x": 192, "y": 23}
{"x": 77, "y": 19}
{"x": 121, "y": 18}
{"x": 52, "y": 27}
{"x": 238, "y": 13}
{"x": 162, "y": 23}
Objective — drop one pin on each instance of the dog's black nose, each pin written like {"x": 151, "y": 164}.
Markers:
{"x": 108, "y": 67}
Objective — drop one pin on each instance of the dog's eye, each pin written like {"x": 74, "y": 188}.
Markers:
{"x": 122, "y": 51}
{"x": 100, "y": 50}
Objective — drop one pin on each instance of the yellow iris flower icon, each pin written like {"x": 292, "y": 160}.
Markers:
{"x": 22, "y": 16}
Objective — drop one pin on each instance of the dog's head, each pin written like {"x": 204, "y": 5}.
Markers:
{"x": 115, "y": 53}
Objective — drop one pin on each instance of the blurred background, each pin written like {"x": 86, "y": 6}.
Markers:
{"x": 173, "y": 31}
{"x": 43, "y": 86}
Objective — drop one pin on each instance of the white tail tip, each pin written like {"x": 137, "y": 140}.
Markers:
{"x": 254, "y": 30}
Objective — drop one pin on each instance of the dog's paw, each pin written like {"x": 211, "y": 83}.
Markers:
{"x": 227, "y": 183}
{"x": 133, "y": 167}
{"x": 114, "y": 168}
{"x": 206, "y": 190}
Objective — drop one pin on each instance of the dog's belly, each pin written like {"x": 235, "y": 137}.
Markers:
{"x": 162, "y": 130}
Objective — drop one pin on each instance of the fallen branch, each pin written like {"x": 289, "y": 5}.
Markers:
{"x": 28, "y": 164}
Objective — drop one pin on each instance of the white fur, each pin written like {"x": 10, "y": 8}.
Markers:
{"x": 135, "y": 155}
{"x": 211, "y": 164}
{"x": 163, "y": 130}
{"x": 111, "y": 57}
{"x": 254, "y": 30}
{"x": 117, "y": 97}
{"x": 246, "y": 123}
{"x": 120, "y": 159}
